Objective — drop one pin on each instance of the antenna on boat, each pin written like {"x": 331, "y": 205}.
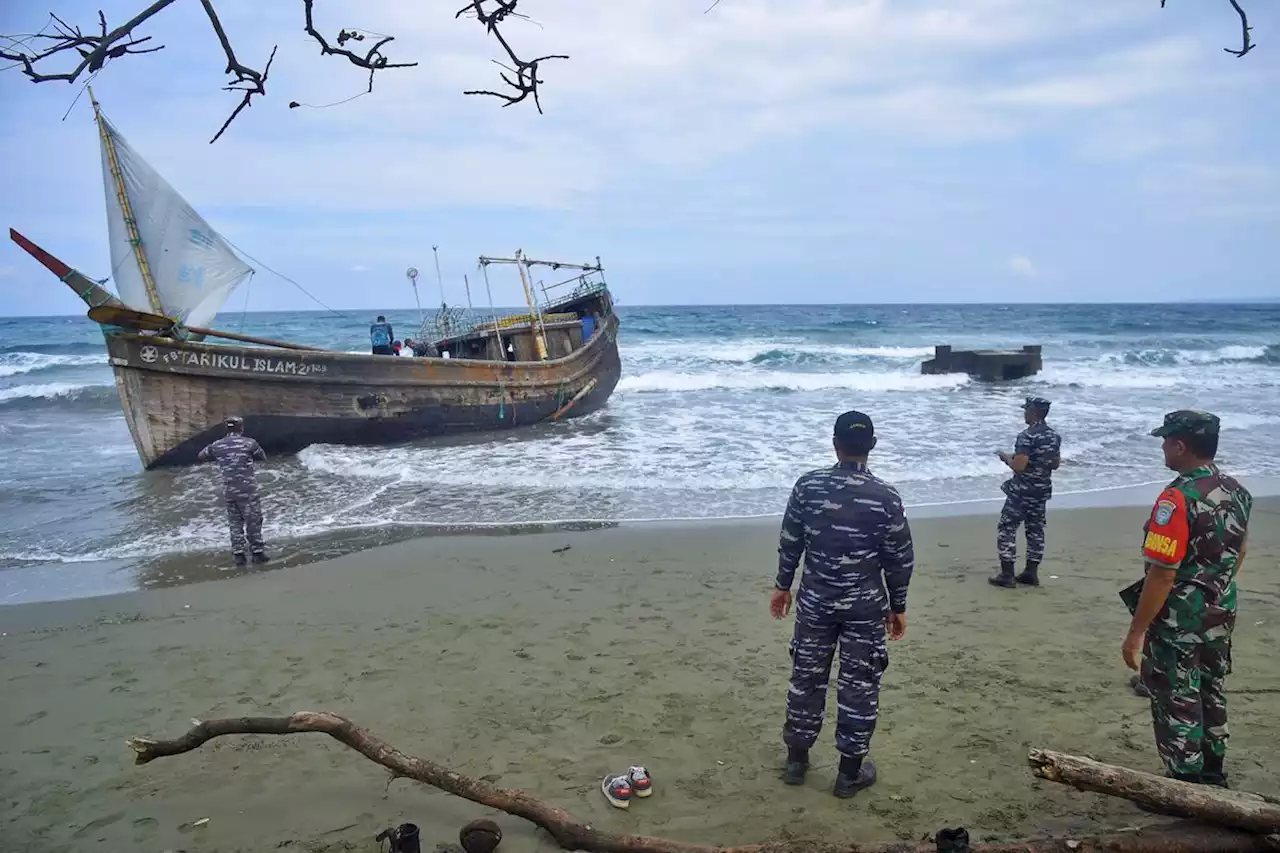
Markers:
{"x": 467, "y": 284}
{"x": 412, "y": 274}
{"x": 439, "y": 278}
{"x": 497, "y": 330}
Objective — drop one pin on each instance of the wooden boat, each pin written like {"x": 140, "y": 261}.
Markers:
{"x": 173, "y": 272}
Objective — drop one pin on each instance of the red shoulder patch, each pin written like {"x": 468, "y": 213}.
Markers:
{"x": 1168, "y": 530}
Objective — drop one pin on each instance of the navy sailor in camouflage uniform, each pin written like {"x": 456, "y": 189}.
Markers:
{"x": 1036, "y": 455}
{"x": 858, "y": 558}
{"x": 1180, "y": 636}
{"x": 234, "y": 455}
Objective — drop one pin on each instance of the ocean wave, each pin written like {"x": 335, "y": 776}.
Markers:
{"x": 766, "y": 351}
{"x": 57, "y": 394}
{"x": 68, "y": 348}
{"x": 667, "y": 380}
{"x": 1157, "y": 357}
{"x": 27, "y": 361}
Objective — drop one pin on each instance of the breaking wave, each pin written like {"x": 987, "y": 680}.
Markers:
{"x": 665, "y": 380}
{"x": 1235, "y": 354}
{"x": 62, "y": 394}
{"x": 27, "y": 361}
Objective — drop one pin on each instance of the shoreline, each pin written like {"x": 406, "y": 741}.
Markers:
{"x": 77, "y": 579}
{"x": 543, "y": 668}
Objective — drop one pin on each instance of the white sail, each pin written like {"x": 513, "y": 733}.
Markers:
{"x": 192, "y": 267}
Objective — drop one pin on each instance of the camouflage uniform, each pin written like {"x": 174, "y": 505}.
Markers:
{"x": 234, "y": 455}
{"x": 1028, "y": 490}
{"x": 853, "y": 531}
{"x": 1197, "y": 528}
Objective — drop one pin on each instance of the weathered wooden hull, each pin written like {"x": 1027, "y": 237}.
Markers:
{"x": 177, "y": 394}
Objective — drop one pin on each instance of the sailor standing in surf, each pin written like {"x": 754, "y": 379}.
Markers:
{"x": 234, "y": 454}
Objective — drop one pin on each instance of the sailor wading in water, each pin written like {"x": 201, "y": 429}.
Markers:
{"x": 852, "y": 531}
{"x": 234, "y": 454}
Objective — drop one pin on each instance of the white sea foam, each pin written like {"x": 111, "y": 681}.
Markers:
{"x": 51, "y": 391}
{"x": 675, "y": 381}
{"x": 16, "y": 363}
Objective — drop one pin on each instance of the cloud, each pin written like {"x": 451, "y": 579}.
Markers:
{"x": 1022, "y": 267}
{"x": 807, "y": 136}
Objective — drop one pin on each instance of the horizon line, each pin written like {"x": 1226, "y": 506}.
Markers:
{"x": 1219, "y": 302}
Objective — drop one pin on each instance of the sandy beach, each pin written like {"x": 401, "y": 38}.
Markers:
{"x": 503, "y": 659}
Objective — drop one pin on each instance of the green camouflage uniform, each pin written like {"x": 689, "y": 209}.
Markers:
{"x": 1186, "y": 655}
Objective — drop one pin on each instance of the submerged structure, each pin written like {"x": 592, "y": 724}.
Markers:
{"x": 173, "y": 272}
{"x": 986, "y": 365}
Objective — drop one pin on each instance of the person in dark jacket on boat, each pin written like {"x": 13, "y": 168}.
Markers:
{"x": 234, "y": 455}
{"x": 421, "y": 348}
{"x": 381, "y": 336}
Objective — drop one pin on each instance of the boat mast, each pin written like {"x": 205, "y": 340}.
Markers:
{"x": 535, "y": 316}
{"x": 126, "y": 209}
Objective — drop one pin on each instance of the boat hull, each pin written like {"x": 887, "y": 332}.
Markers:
{"x": 176, "y": 395}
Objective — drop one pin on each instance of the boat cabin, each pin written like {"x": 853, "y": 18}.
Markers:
{"x": 563, "y": 325}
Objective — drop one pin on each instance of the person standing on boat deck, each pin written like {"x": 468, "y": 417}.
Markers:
{"x": 853, "y": 532}
{"x": 1036, "y": 455}
{"x": 381, "y": 336}
{"x": 234, "y": 455}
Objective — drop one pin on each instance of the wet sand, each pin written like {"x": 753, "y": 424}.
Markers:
{"x": 543, "y": 670}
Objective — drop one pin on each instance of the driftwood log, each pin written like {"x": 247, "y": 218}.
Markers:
{"x": 573, "y": 834}
{"x": 1218, "y": 806}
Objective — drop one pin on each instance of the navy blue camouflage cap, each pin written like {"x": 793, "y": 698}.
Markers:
{"x": 855, "y": 426}
{"x": 1187, "y": 422}
{"x": 234, "y": 421}
{"x": 1037, "y": 403}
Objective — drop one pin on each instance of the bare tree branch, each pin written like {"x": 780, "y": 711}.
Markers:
{"x": 572, "y": 833}
{"x": 1247, "y": 43}
{"x": 94, "y": 51}
{"x": 29, "y": 52}
{"x": 525, "y": 81}
{"x": 374, "y": 60}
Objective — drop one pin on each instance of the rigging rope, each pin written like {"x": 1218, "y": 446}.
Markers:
{"x": 306, "y": 292}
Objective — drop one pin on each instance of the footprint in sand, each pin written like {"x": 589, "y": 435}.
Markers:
{"x": 94, "y": 825}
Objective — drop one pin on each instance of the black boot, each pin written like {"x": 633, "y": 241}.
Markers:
{"x": 1005, "y": 578}
{"x": 1031, "y": 574}
{"x": 797, "y": 766}
{"x": 401, "y": 839}
{"x": 855, "y": 775}
{"x": 1213, "y": 774}
{"x": 239, "y": 559}
{"x": 260, "y": 557}
{"x": 952, "y": 840}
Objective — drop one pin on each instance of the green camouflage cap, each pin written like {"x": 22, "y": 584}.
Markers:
{"x": 1187, "y": 422}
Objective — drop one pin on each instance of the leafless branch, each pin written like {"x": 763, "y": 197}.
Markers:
{"x": 94, "y": 50}
{"x": 374, "y": 60}
{"x": 523, "y": 74}
{"x": 248, "y": 81}
{"x": 1247, "y": 43}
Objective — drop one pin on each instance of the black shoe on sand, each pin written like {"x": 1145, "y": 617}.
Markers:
{"x": 855, "y": 775}
{"x": 240, "y": 560}
{"x": 1005, "y": 578}
{"x": 1030, "y": 575}
{"x": 260, "y": 557}
{"x": 797, "y": 766}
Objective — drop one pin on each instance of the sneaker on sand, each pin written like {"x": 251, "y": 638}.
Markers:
{"x": 641, "y": 781}
{"x": 617, "y": 790}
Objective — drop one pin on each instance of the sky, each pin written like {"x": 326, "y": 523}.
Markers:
{"x": 807, "y": 151}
